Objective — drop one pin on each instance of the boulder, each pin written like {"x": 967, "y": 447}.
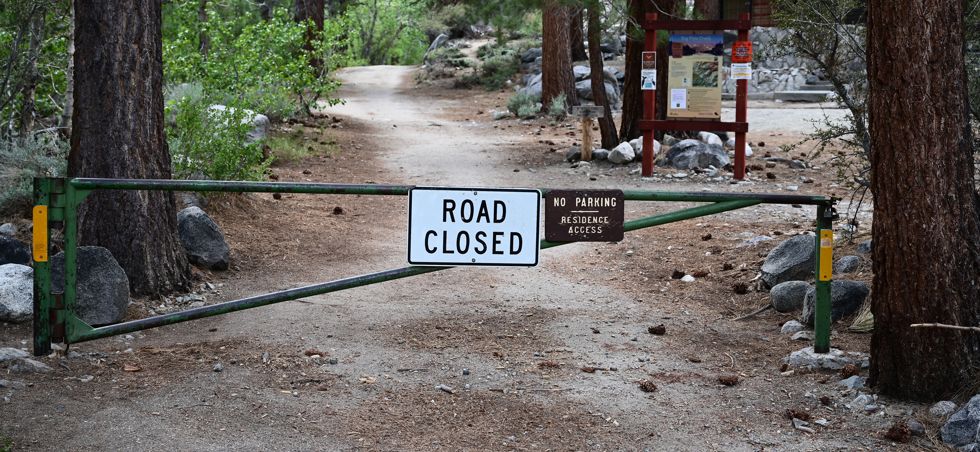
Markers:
{"x": 847, "y": 264}
{"x": 730, "y": 144}
{"x": 531, "y": 54}
{"x": 792, "y": 260}
{"x": 103, "y": 289}
{"x": 581, "y": 73}
{"x": 963, "y": 427}
{"x": 533, "y": 89}
{"x": 600, "y": 154}
{"x": 853, "y": 382}
{"x": 791, "y": 327}
{"x": 573, "y": 154}
{"x": 710, "y": 138}
{"x": 584, "y": 89}
{"x": 260, "y": 123}
{"x": 10, "y": 354}
{"x": 27, "y": 365}
{"x": 836, "y": 359}
{"x": 436, "y": 43}
{"x": 8, "y": 229}
{"x": 16, "y": 293}
{"x": 788, "y": 296}
{"x": 622, "y": 154}
{"x": 943, "y": 408}
{"x": 865, "y": 247}
{"x": 202, "y": 239}
{"x": 13, "y": 251}
{"x": 846, "y": 298}
{"x": 637, "y": 144}
{"x": 693, "y": 154}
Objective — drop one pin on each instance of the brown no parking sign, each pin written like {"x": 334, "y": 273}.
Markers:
{"x": 583, "y": 216}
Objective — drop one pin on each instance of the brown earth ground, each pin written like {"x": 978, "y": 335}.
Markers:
{"x": 554, "y": 356}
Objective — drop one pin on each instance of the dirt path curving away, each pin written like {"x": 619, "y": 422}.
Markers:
{"x": 359, "y": 370}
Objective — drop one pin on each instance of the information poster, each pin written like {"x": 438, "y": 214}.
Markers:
{"x": 648, "y": 73}
{"x": 694, "y": 76}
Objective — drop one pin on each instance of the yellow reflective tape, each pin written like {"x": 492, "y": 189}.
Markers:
{"x": 826, "y": 255}
{"x": 40, "y": 233}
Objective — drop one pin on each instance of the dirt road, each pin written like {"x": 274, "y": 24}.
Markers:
{"x": 545, "y": 358}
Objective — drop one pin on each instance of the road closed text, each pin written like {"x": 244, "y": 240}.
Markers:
{"x": 473, "y": 227}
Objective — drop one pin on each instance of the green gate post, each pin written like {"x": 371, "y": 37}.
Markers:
{"x": 48, "y": 208}
{"x": 824, "y": 273}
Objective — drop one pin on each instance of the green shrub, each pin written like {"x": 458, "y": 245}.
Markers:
{"x": 449, "y": 56}
{"x": 557, "y": 109}
{"x": 524, "y": 105}
{"x": 41, "y": 154}
{"x": 213, "y": 144}
{"x": 498, "y": 69}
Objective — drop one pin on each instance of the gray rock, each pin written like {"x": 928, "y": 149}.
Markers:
{"x": 802, "y": 336}
{"x": 103, "y": 288}
{"x": 202, "y": 239}
{"x": 16, "y": 293}
{"x": 581, "y": 72}
{"x": 693, "y": 154}
{"x": 13, "y": 251}
{"x": 260, "y": 123}
{"x": 792, "y": 327}
{"x": 573, "y": 154}
{"x": 27, "y": 365}
{"x": 12, "y": 384}
{"x": 834, "y": 360}
{"x": 865, "y": 247}
{"x": 669, "y": 140}
{"x": 530, "y": 55}
{"x": 637, "y": 144}
{"x": 8, "y": 229}
{"x": 584, "y": 89}
{"x": 853, "y": 382}
{"x": 10, "y": 354}
{"x": 436, "y": 43}
{"x": 846, "y": 298}
{"x": 861, "y": 402}
{"x": 789, "y": 261}
{"x": 788, "y": 296}
{"x": 943, "y": 408}
{"x": 847, "y": 264}
{"x": 622, "y": 154}
{"x": 533, "y": 90}
{"x": 963, "y": 427}
{"x": 600, "y": 154}
{"x": 710, "y": 138}
{"x": 915, "y": 427}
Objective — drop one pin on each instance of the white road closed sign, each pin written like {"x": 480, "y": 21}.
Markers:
{"x": 477, "y": 226}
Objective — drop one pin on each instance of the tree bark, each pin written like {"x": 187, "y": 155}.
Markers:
{"x": 926, "y": 234}
{"x": 117, "y": 132}
{"x": 66, "y": 113}
{"x": 607, "y": 128}
{"x": 576, "y": 36}
{"x": 204, "y": 41}
{"x": 313, "y": 11}
{"x": 632, "y": 95}
{"x": 556, "y": 61}
{"x": 708, "y": 9}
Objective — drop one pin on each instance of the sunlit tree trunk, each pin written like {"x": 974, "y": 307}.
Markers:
{"x": 607, "y": 127}
{"x": 556, "y": 60}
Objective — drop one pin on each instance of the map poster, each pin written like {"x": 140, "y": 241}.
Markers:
{"x": 694, "y": 75}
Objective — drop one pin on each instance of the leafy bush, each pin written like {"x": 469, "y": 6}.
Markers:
{"x": 449, "y": 56}
{"x": 557, "y": 109}
{"x": 212, "y": 143}
{"x": 524, "y": 105}
{"x": 498, "y": 69}
{"x": 21, "y": 160}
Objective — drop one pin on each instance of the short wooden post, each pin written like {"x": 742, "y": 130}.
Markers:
{"x": 587, "y": 113}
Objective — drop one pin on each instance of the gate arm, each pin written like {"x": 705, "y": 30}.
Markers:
{"x": 81, "y": 334}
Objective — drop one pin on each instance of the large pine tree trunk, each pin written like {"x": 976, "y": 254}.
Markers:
{"x": 607, "y": 127}
{"x": 556, "y": 60}
{"x": 926, "y": 233}
{"x": 117, "y": 132}
{"x": 577, "y": 37}
{"x": 312, "y": 10}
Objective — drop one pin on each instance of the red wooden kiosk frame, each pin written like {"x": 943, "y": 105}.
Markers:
{"x": 648, "y": 124}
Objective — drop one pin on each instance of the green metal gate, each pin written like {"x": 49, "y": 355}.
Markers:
{"x": 57, "y": 201}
